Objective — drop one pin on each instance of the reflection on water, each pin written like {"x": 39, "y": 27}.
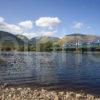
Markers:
{"x": 66, "y": 69}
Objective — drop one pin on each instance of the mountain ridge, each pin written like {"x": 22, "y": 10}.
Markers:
{"x": 46, "y": 40}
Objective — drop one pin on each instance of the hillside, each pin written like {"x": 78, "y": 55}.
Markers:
{"x": 78, "y": 37}
{"x": 44, "y": 39}
{"x": 42, "y": 42}
{"x": 9, "y": 41}
{"x": 22, "y": 37}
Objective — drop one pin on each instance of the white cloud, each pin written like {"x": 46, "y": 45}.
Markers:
{"x": 31, "y": 34}
{"x": 14, "y": 28}
{"x": 10, "y": 28}
{"x": 17, "y": 29}
{"x": 41, "y": 33}
{"x": 26, "y": 24}
{"x": 47, "y": 21}
{"x": 24, "y": 27}
{"x": 49, "y": 33}
{"x": 78, "y": 25}
{"x": 1, "y": 19}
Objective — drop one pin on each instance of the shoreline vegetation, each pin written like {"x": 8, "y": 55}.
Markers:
{"x": 51, "y": 49}
{"x": 29, "y": 93}
{"x": 72, "y": 42}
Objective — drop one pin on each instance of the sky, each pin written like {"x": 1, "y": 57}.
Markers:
{"x": 50, "y": 17}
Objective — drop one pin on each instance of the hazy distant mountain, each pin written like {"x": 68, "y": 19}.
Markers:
{"x": 44, "y": 39}
{"x": 42, "y": 43}
{"x": 20, "y": 42}
{"x": 22, "y": 37}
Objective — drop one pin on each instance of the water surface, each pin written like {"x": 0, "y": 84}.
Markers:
{"x": 67, "y": 70}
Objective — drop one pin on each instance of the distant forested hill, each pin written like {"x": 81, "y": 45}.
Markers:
{"x": 9, "y": 42}
{"x": 78, "y": 37}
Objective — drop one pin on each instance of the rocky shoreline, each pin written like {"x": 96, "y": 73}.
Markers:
{"x": 27, "y": 93}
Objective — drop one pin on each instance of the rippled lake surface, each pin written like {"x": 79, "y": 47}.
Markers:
{"x": 62, "y": 70}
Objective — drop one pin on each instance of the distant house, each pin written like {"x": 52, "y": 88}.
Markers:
{"x": 96, "y": 43}
{"x": 69, "y": 45}
{"x": 81, "y": 44}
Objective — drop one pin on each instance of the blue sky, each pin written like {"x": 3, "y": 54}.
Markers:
{"x": 50, "y": 17}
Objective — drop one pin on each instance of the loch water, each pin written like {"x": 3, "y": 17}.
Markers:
{"x": 55, "y": 69}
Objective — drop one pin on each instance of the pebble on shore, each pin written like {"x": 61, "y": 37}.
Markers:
{"x": 27, "y": 93}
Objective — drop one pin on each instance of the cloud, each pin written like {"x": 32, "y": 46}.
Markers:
{"x": 78, "y": 25}
{"x": 10, "y": 28}
{"x": 1, "y": 19}
{"x": 30, "y": 35}
{"x": 48, "y": 33}
{"x": 41, "y": 33}
{"x": 14, "y": 28}
{"x": 47, "y": 21}
{"x": 26, "y": 24}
